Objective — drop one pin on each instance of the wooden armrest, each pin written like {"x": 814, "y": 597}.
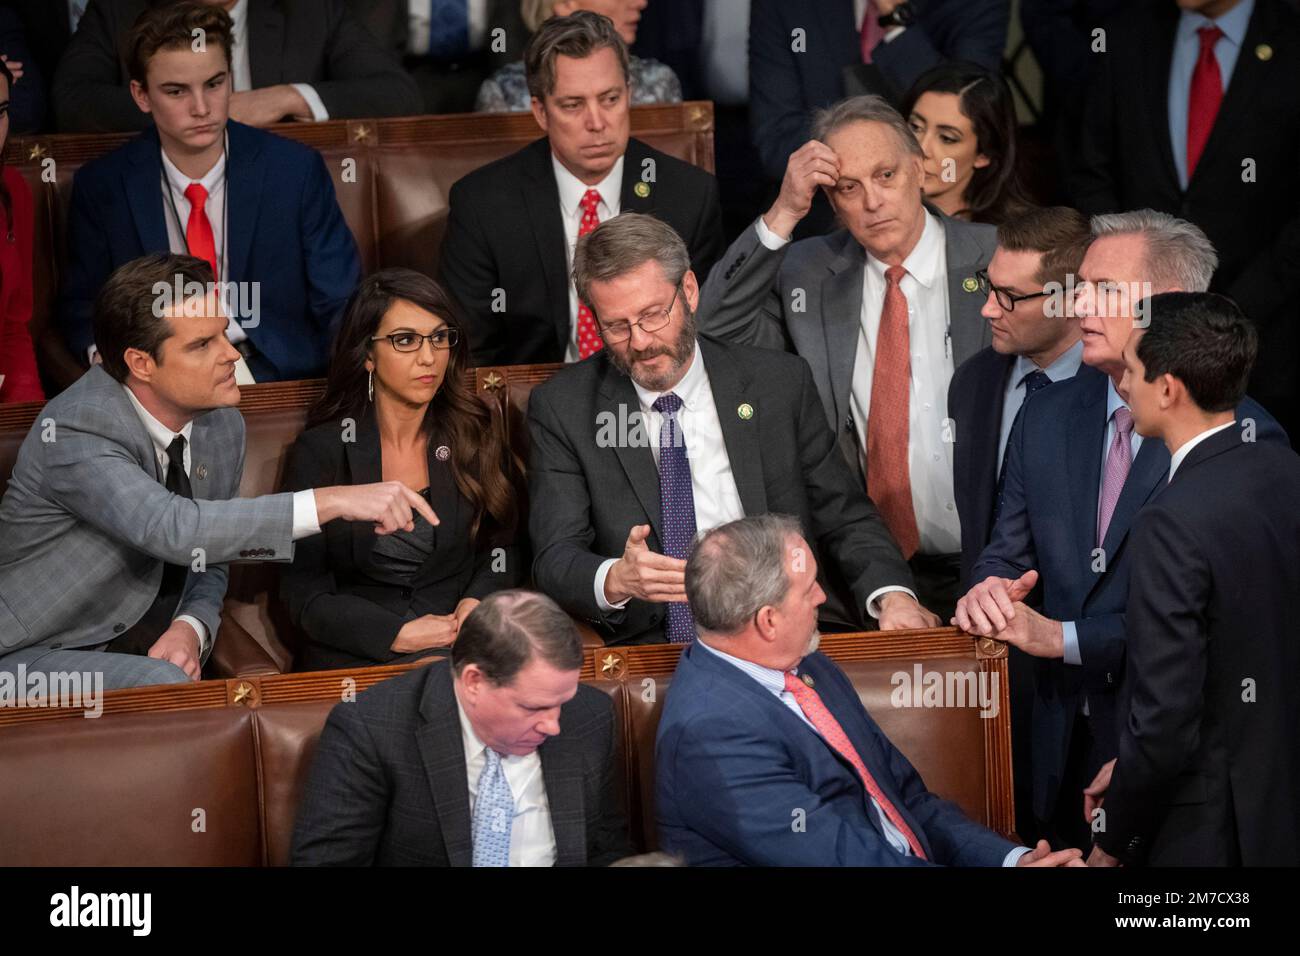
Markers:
{"x": 236, "y": 653}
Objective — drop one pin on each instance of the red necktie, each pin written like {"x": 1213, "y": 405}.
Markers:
{"x": 810, "y": 702}
{"x": 872, "y": 32}
{"x": 1207, "y": 94}
{"x": 589, "y": 340}
{"x": 889, "y": 481}
{"x": 198, "y": 231}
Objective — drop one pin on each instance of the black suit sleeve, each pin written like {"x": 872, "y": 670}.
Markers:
{"x": 308, "y": 586}
{"x": 845, "y": 523}
{"x": 469, "y": 270}
{"x": 1089, "y": 166}
{"x": 607, "y": 826}
{"x": 89, "y": 93}
{"x": 362, "y": 78}
{"x": 976, "y": 31}
{"x": 27, "y": 97}
{"x": 778, "y": 115}
{"x": 707, "y": 242}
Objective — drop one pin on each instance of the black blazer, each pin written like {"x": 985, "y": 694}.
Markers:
{"x": 1209, "y": 754}
{"x": 504, "y": 231}
{"x": 318, "y": 42}
{"x": 1123, "y": 159}
{"x": 349, "y": 607}
{"x": 784, "y": 459}
{"x": 388, "y": 785}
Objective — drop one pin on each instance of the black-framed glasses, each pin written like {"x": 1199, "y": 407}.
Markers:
{"x": 621, "y": 330}
{"x": 1006, "y": 298}
{"x": 444, "y": 338}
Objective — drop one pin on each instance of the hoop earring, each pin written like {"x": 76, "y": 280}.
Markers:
{"x": 370, "y": 384}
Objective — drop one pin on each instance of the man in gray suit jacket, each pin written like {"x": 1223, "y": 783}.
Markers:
{"x": 883, "y": 384}
{"x": 121, "y": 512}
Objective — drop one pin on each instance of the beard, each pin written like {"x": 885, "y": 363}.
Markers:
{"x": 680, "y": 352}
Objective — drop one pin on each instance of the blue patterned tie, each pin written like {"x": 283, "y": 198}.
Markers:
{"x": 677, "y": 506}
{"x": 1033, "y": 382}
{"x": 494, "y": 813}
{"x": 448, "y": 29}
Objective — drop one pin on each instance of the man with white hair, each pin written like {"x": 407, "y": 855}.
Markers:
{"x": 1077, "y": 474}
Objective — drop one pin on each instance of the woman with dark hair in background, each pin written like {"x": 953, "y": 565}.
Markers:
{"x": 396, "y": 408}
{"x": 965, "y": 120}
{"x": 19, "y": 381}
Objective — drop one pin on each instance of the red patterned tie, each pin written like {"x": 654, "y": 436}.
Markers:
{"x": 198, "y": 231}
{"x": 810, "y": 703}
{"x": 872, "y": 32}
{"x": 1207, "y": 95}
{"x": 589, "y": 340}
{"x": 888, "y": 474}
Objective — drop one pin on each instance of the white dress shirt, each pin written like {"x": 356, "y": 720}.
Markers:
{"x": 242, "y": 73}
{"x": 713, "y": 485}
{"x": 532, "y": 838}
{"x": 1186, "y": 447}
{"x": 420, "y": 13}
{"x": 572, "y": 189}
{"x": 76, "y": 8}
{"x": 304, "y": 502}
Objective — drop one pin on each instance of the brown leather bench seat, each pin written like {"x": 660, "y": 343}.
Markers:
{"x": 210, "y": 774}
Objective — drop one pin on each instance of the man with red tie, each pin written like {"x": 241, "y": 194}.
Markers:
{"x": 1194, "y": 109}
{"x": 765, "y": 755}
{"x": 258, "y": 208}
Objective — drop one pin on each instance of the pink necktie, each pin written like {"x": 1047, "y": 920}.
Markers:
{"x": 872, "y": 32}
{"x": 1118, "y": 461}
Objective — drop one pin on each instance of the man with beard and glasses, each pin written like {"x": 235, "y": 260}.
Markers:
{"x": 663, "y": 434}
{"x": 757, "y": 723}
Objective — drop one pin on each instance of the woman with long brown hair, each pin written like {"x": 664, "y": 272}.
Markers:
{"x": 396, "y": 408}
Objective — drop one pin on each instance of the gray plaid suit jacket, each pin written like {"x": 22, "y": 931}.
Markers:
{"x": 87, "y": 524}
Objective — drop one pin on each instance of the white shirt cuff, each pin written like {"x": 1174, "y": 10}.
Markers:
{"x": 318, "y": 110}
{"x": 1013, "y": 858}
{"x": 873, "y": 602}
{"x": 602, "y": 572}
{"x": 305, "y": 521}
{"x": 91, "y": 353}
{"x": 199, "y": 629}
{"x": 893, "y": 33}
{"x": 768, "y": 238}
{"x": 1070, "y": 638}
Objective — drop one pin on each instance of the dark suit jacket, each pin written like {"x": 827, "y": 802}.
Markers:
{"x": 1123, "y": 159}
{"x": 504, "y": 231}
{"x": 388, "y": 785}
{"x": 351, "y": 607}
{"x": 285, "y": 231}
{"x": 732, "y": 763}
{"x": 1209, "y": 771}
{"x": 1049, "y": 523}
{"x": 28, "y": 95}
{"x": 786, "y": 85}
{"x": 318, "y": 42}
{"x": 784, "y": 460}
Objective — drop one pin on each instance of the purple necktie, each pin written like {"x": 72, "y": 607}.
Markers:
{"x": 1118, "y": 461}
{"x": 677, "y": 506}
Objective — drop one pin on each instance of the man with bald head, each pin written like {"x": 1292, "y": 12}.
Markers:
{"x": 757, "y": 724}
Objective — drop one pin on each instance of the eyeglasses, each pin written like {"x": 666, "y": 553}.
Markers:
{"x": 444, "y": 338}
{"x": 621, "y": 330}
{"x": 1006, "y": 298}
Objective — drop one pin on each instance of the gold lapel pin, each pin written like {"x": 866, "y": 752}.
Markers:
{"x": 201, "y": 472}
{"x": 807, "y": 679}
{"x": 642, "y": 189}
{"x": 1264, "y": 52}
{"x": 970, "y": 283}
{"x": 745, "y": 411}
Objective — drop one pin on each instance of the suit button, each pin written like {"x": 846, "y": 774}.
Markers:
{"x": 270, "y": 552}
{"x": 119, "y": 628}
{"x": 243, "y": 554}
{"x": 1109, "y": 678}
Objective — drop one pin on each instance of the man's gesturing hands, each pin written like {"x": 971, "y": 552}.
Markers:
{"x": 388, "y": 504}
{"x": 643, "y": 574}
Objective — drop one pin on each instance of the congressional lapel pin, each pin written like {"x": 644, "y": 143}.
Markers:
{"x": 745, "y": 411}
{"x": 642, "y": 189}
{"x": 201, "y": 472}
{"x": 970, "y": 283}
{"x": 1264, "y": 52}
{"x": 807, "y": 679}
{"x": 443, "y": 452}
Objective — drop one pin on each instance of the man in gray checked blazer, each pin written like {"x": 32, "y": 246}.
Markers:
{"x": 825, "y": 298}
{"x": 121, "y": 512}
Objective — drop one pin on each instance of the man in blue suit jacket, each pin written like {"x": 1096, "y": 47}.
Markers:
{"x": 268, "y": 209}
{"x": 755, "y": 754}
{"x": 1052, "y": 513}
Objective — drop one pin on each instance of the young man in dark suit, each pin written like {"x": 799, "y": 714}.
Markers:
{"x": 498, "y": 757}
{"x": 259, "y": 208}
{"x": 512, "y": 224}
{"x": 292, "y": 60}
{"x": 663, "y": 434}
{"x": 1208, "y": 772}
{"x": 1194, "y": 109}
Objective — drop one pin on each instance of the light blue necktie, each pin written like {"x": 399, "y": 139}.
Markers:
{"x": 494, "y": 812}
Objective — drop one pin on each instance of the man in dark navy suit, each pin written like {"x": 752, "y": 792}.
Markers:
{"x": 1076, "y": 475}
{"x": 1208, "y": 772}
{"x": 758, "y": 725}
{"x": 260, "y": 209}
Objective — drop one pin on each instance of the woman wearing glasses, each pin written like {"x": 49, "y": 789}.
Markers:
{"x": 396, "y": 408}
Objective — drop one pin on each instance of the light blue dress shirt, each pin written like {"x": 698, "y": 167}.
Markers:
{"x": 773, "y": 681}
{"x": 1187, "y": 49}
{"x": 1066, "y": 365}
